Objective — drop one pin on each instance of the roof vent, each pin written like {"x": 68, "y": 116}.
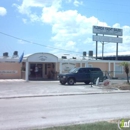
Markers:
{"x": 15, "y": 53}
{"x": 73, "y": 57}
{"x": 90, "y": 53}
{"x": 64, "y": 57}
{"x": 84, "y": 53}
{"x": 5, "y": 54}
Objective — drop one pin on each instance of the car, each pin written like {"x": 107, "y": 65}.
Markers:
{"x": 85, "y": 75}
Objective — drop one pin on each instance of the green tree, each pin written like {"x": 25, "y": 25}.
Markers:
{"x": 126, "y": 69}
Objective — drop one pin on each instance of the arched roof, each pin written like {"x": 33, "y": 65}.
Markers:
{"x": 42, "y": 57}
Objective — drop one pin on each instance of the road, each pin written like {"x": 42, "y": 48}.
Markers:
{"x": 28, "y": 113}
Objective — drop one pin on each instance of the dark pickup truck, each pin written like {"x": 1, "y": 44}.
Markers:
{"x": 85, "y": 75}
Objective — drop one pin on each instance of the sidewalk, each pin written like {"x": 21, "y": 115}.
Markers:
{"x": 21, "y": 89}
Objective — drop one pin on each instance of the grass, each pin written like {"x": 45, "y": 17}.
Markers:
{"x": 91, "y": 126}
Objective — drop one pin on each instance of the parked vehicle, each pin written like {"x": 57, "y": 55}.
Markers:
{"x": 85, "y": 75}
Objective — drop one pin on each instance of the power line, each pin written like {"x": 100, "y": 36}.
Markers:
{"x": 36, "y": 43}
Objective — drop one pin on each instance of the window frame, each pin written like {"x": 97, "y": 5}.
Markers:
{"x": 119, "y": 70}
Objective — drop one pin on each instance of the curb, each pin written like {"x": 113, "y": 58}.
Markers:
{"x": 63, "y": 94}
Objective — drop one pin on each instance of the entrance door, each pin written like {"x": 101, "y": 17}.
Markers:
{"x": 35, "y": 71}
{"x": 50, "y": 70}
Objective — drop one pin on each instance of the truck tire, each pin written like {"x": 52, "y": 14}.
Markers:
{"x": 71, "y": 81}
{"x": 86, "y": 82}
{"x": 62, "y": 82}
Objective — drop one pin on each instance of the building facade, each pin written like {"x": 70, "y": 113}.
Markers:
{"x": 45, "y": 66}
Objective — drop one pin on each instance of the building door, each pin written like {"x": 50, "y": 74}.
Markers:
{"x": 35, "y": 71}
{"x": 50, "y": 70}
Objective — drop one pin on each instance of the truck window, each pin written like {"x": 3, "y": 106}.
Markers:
{"x": 80, "y": 71}
{"x": 95, "y": 69}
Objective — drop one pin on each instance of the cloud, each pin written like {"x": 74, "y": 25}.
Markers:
{"x": 3, "y": 11}
{"x": 70, "y": 29}
{"x": 77, "y": 2}
{"x": 70, "y": 26}
{"x": 27, "y": 5}
{"x": 21, "y": 42}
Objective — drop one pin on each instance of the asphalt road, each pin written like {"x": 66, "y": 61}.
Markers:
{"x": 28, "y": 113}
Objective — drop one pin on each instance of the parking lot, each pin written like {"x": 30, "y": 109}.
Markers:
{"x": 21, "y": 88}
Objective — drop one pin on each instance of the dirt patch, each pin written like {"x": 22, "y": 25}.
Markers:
{"x": 122, "y": 86}
{"x": 113, "y": 121}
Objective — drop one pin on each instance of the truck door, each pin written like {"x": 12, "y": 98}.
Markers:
{"x": 82, "y": 75}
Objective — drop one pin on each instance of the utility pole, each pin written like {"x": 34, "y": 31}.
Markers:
{"x": 102, "y": 50}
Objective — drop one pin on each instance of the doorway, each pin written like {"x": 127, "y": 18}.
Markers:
{"x": 35, "y": 75}
{"x": 50, "y": 70}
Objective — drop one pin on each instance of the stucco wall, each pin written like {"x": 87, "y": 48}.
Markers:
{"x": 10, "y": 71}
{"x": 102, "y": 66}
{"x": 77, "y": 64}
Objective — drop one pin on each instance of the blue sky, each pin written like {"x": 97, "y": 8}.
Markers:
{"x": 57, "y": 25}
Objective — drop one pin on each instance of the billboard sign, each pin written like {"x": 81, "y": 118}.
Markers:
{"x": 107, "y": 30}
{"x": 107, "y": 39}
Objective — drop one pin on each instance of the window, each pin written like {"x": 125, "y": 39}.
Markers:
{"x": 81, "y": 71}
{"x": 118, "y": 69}
{"x": 95, "y": 69}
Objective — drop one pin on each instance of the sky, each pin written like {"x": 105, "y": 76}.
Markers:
{"x": 61, "y": 26}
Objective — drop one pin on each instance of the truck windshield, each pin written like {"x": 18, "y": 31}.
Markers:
{"x": 75, "y": 70}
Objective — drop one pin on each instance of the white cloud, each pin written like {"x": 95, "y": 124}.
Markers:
{"x": 117, "y": 25}
{"x": 3, "y": 11}
{"x": 77, "y": 2}
{"x": 21, "y": 42}
{"x": 70, "y": 26}
{"x": 26, "y": 6}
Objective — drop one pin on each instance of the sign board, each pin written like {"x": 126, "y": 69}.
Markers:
{"x": 66, "y": 67}
{"x": 107, "y": 39}
{"x": 42, "y": 57}
{"x": 2, "y": 61}
{"x": 8, "y": 71}
{"x": 107, "y": 30}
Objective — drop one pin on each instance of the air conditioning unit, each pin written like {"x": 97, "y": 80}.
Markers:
{"x": 84, "y": 53}
{"x": 64, "y": 57}
{"x": 5, "y": 54}
{"x": 15, "y": 53}
{"x": 90, "y": 53}
{"x": 73, "y": 57}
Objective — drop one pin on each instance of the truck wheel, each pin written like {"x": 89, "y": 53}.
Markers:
{"x": 71, "y": 81}
{"x": 86, "y": 82}
{"x": 62, "y": 82}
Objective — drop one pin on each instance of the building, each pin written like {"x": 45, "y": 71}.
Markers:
{"x": 49, "y": 66}
{"x": 120, "y": 57}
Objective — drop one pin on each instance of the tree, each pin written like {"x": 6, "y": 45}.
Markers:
{"x": 126, "y": 69}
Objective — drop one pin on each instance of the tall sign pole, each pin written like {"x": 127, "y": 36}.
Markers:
{"x": 117, "y": 50}
{"x": 96, "y": 47}
{"x": 102, "y": 48}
